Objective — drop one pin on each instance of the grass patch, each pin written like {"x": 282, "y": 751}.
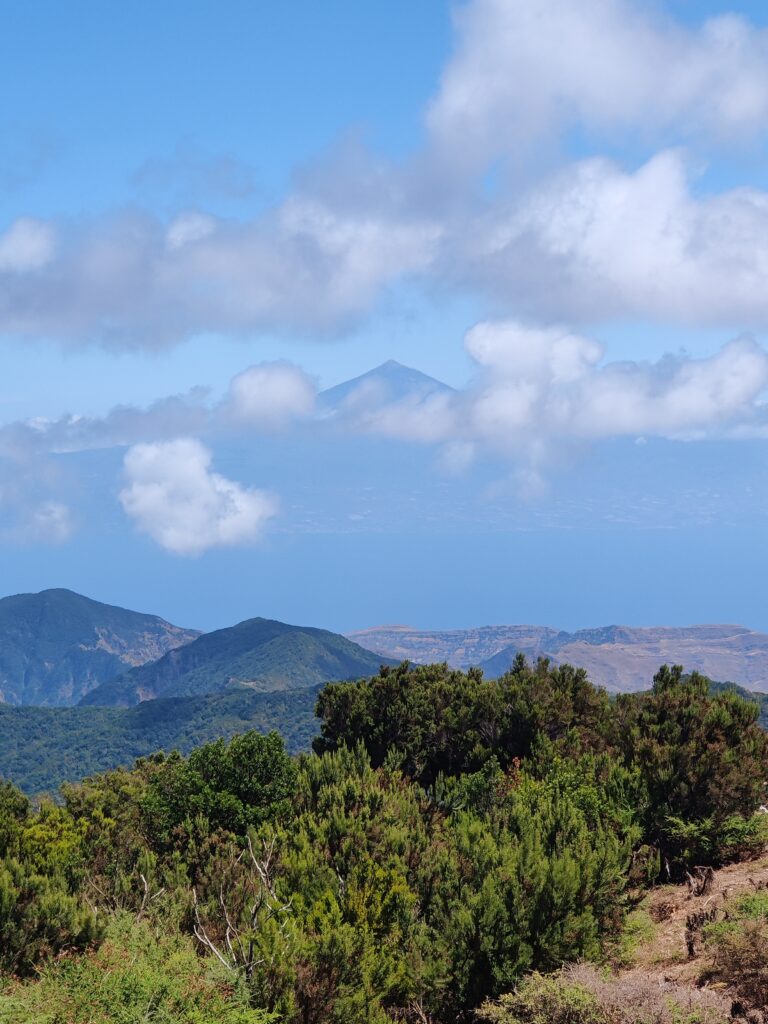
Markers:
{"x": 639, "y": 930}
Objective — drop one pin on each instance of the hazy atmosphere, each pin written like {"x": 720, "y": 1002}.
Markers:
{"x": 556, "y": 213}
{"x": 383, "y": 503}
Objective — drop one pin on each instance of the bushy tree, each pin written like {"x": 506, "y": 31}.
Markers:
{"x": 703, "y": 760}
{"x": 231, "y": 786}
{"x": 439, "y": 720}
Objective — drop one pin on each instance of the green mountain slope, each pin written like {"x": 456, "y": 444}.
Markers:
{"x": 42, "y": 747}
{"x": 259, "y": 653}
{"x": 55, "y": 646}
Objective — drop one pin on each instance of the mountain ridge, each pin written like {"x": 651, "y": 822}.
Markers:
{"x": 56, "y": 645}
{"x": 619, "y": 657}
{"x": 262, "y": 654}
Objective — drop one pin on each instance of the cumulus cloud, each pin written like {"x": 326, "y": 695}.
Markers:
{"x": 596, "y": 241}
{"x": 270, "y": 395}
{"x": 591, "y": 242}
{"x": 542, "y": 385}
{"x": 173, "y": 495}
{"x": 523, "y": 68}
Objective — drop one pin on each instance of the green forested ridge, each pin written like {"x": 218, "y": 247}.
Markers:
{"x": 448, "y": 837}
{"x": 57, "y": 645}
{"x": 42, "y": 747}
{"x": 260, "y": 653}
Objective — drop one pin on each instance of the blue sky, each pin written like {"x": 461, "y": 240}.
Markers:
{"x": 210, "y": 212}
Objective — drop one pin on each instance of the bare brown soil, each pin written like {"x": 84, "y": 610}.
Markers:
{"x": 663, "y": 955}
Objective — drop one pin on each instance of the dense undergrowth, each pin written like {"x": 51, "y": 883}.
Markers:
{"x": 448, "y": 837}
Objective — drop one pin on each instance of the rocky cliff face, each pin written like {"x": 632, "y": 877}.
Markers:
{"x": 621, "y": 658}
{"x": 56, "y": 646}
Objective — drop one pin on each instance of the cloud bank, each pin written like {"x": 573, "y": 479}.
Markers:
{"x": 589, "y": 240}
{"x": 537, "y": 392}
{"x": 134, "y": 281}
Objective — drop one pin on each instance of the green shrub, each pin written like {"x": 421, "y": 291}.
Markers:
{"x": 545, "y": 1000}
{"x": 702, "y": 759}
{"x": 638, "y": 930}
{"x": 136, "y": 975}
{"x": 39, "y": 917}
{"x": 580, "y": 994}
{"x": 231, "y": 786}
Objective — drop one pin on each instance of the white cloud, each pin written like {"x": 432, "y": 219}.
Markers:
{"x": 187, "y": 228}
{"x": 270, "y": 395}
{"x": 265, "y": 398}
{"x": 565, "y": 392}
{"x": 123, "y": 425}
{"x": 26, "y": 246}
{"x": 594, "y": 241}
{"x": 173, "y": 496}
{"x": 527, "y": 68}
{"x": 132, "y": 281}
{"x": 597, "y": 242}
{"x": 540, "y": 391}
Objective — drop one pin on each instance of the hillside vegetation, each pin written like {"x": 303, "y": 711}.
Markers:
{"x": 260, "y": 653}
{"x": 56, "y": 646}
{"x": 40, "y": 748}
{"x": 451, "y": 846}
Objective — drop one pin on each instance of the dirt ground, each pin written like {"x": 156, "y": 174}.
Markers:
{"x": 663, "y": 954}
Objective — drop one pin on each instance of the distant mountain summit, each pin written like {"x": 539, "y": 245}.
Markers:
{"x": 55, "y": 646}
{"x": 262, "y": 654}
{"x": 384, "y": 385}
{"x": 621, "y": 658}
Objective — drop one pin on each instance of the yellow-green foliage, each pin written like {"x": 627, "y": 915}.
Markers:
{"x": 638, "y": 930}
{"x": 136, "y": 975}
{"x": 580, "y": 994}
{"x": 545, "y": 1000}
